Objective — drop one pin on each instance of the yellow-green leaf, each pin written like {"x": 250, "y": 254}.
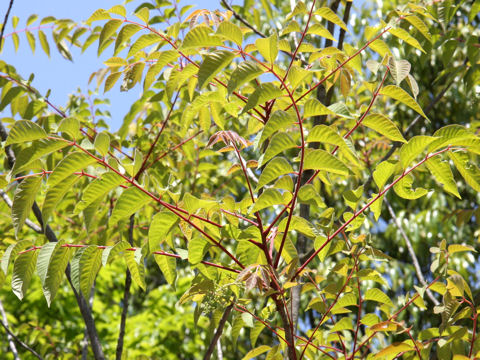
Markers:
{"x": 384, "y": 126}
{"x": 401, "y": 95}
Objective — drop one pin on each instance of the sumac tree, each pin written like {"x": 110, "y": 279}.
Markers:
{"x": 270, "y": 146}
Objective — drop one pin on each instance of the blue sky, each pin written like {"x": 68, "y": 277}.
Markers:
{"x": 61, "y": 76}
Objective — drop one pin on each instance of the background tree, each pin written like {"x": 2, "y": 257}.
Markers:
{"x": 288, "y": 168}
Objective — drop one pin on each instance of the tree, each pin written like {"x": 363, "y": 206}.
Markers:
{"x": 271, "y": 167}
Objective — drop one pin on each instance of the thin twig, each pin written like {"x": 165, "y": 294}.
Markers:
{"x": 10, "y": 338}
{"x": 218, "y": 333}
{"x": 11, "y": 335}
{"x": 242, "y": 20}
{"x": 411, "y": 251}
{"x": 126, "y": 296}
{"x": 5, "y": 20}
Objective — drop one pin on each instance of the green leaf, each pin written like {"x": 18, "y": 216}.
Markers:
{"x": 442, "y": 172}
{"x": 384, "y": 126}
{"x": 71, "y": 126}
{"x": 25, "y": 130}
{"x": 399, "y": 69}
{"x": 255, "y": 332}
{"x": 143, "y": 14}
{"x": 393, "y": 350}
{"x": 279, "y": 120}
{"x": 255, "y": 352}
{"x": 262, "y": 94}
{"x": 268, "y": 47}
{"x": 401, "y": 95}
{"x": 118, "y": 10}
{"x": 131, "y": 200}
{"x": 413, "y": 148}
{"x": 309, "y": 195}
{"x": 43, "y": 259}
{"x": 454, "y": 248}
{"x": 402, "y": 34}
{"x": 212, "y": 64}
{"x": 31, "y": 40}
{"x": 268, "y": 198}
{"x": 100, "y": 14}
{"x": 12, "y": 251}
{"x": 108, "y": 30}
{"x": 277, "y": 167}
{"x": 299, "y": 224}
{"x": 377, "y": 295}
{"x": 102, "y": 143}
{"x": 320, "y": 30}
{"x": 57, "y": 263}
{"x": 245, "y": 72}
{"x": 404, "y": 189}
{"x": 344, "y": 323}
{"x": 23, "y": 269}
{"x": 383, "y": 172}
{"x": 160, "y": 226}
{"x": 124, "y": 35}
{"x": 111, "y": 80}
{"x": 23, "y": 200}
{"x": 16, "y": 41}
{"x": 200, "y": 36}
{"x": 98, "y": 188}
{"x": 196, "y": 249}
{"x": 90, "y": 264}
{"x": 469, "y": 171}
{"x": 31, "y": 19}
{"x": 164, "y": 58}
{"x": 322, "y": 160}
{"x": 420, "y": 26}
{"x": 55, "y": 194}
{"x": 134, "y": 260}
{"x": 376, "y": 206}
{"x": 110, "y": 252}
{"x": 231, "y": 32}
{"x": 313, "y": 107}
{"x": 329, "y": 15}
{"x": 142, "y": 42}
{"x": 116, "y": 61}
{"x": 325, "y": 134}
{"x": 71, "y": 163}
{"x": 168, "y": 266}
{"x": 451, "y": 135}
{"x": 44, "y": 42}
{"x": 280, "y": 142}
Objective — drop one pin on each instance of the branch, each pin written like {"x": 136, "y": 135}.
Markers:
{"x": 11, "y": 336}
{"x": 82, "y": 304}
{"x": 28, "y": 222}
{"x": 218, "y": 333}
{"x": 242, "y": 20}
{"x": 5, "y": 20}
{"x": 411, "y": 251}
{"x": 126, "y": 296}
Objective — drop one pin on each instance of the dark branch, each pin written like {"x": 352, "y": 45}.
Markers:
{"x": 82, "y": 304}
{"x": 5, "y": 20}
{"x": 14, "y": 337}
{"x": 218, "y": 333}
{"x": 126, "y": 297}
